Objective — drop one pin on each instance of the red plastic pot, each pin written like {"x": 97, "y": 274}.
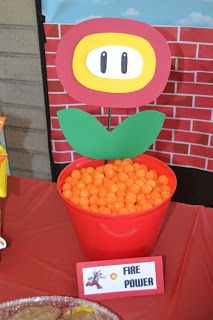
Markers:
{"x": 105, "y": 236}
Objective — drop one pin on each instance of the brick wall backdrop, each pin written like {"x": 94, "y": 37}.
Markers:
{"x": 187, "y": 136}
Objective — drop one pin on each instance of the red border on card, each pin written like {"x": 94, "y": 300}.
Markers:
{"x": 159, "y": 278}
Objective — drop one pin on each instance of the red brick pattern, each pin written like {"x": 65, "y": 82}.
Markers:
{"x": 210, "y": 165}
{"x": 187, "y": 64}
{"x": 192, "y": 88}
{"x": 196, "y": 34}
{"x": 183, "y": 50}
{"x": 191, "y": 137}
{"x": 187, "y": 135}
{"x": 204, "y": 102}
{"x": 205, "y": 77}
{"x": 206, "y": 51}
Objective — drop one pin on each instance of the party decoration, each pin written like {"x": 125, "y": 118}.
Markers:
{"x": 3, "y": 180}
{"x": 3, "y": 165}
{"x": 3, "y": 172}
{"x": 90, "y": 138}
{"x": 133, "y": 277}
{"x": 113, "y": 62}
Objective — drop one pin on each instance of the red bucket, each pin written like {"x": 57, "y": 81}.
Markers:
{"x": 105, "y": 236}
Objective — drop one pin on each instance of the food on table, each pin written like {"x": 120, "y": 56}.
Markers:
{"x": 37, "y": 313}
{"x": 80, "y": 312}
{"x": 120, "y": 187}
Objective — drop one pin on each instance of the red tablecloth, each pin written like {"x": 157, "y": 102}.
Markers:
{"x": 43, "y": 250}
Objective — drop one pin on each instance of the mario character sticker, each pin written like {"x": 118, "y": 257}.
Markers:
{"x": 94, "y": 280}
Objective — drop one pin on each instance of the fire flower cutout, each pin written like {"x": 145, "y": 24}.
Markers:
{"x": 116, "y": 63}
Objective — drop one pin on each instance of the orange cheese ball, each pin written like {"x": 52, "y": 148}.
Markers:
{"x": 101, "y": 201}
{"x": 76, "y": 174}
{"x": 129, "y": 182}
{"x": 118, "y": 205}
{"x": 83, "y": 201}
{"x": 84, "y": 193}
{"x": 83, "y": 170}
{"x": 117, "y": 162}
{"x": 151, "y": 182}
{"x": 134, "y": 188}
{"x": 127, "y": 161}
{"x": 76, "y": 192}
{"x": 136, "y": 165}
{"x": 99, "y": 169}
{"x": 122, "y": 176}
{"x": 166, "y": 187}
{"x": 67, "y": 193}
{"x": 122, "y": 186}
{"x": 87, "y": 179}
{"x": 74, "y": 199}
{"x": 128, "y": 169}
{"x": 140, "y": 182}
{"x": 151, "y": 174}
{"x": 140, "y": 173}
{"x": 162, "y": 179}
{"x": 165, "y": 194}
{"x": 146, "y": 189}
{"x": 93, "y": 190}
{"x": 103, "y": 192}
{"x": 66, "y": 186}
{"x": 113, "y": 188}
{"x": 130, "y": 198}
{"x": 109, "y": 173}
{"x": 98, "y": 182}
{"x": 68, "y": 179}
{"x": 111, "y": 197}
{"x": 73, "y": 182}
{"x": 118, "y": 187}
{"x": 98, "y": 175}
{"x": 90, "y": 170}
{"x": 93, "y": 199}
{"x": 81, "y": 185}
{"x": 116, "y": 179}
{"x": 155, "y": 194}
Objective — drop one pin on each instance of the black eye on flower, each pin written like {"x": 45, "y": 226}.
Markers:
{"x": 103, "y": 61}
{"x": 124, "y": 62}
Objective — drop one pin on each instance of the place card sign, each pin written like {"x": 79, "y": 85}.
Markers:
{"x": 109, "y": 279}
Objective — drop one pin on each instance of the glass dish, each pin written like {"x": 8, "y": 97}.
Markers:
{"x": 7, "y": 309}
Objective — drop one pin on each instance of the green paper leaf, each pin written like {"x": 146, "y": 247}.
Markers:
{"x": 83, "y": 132}
{"x": 136, "y": 134}
{"x": 130, "y": 138}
